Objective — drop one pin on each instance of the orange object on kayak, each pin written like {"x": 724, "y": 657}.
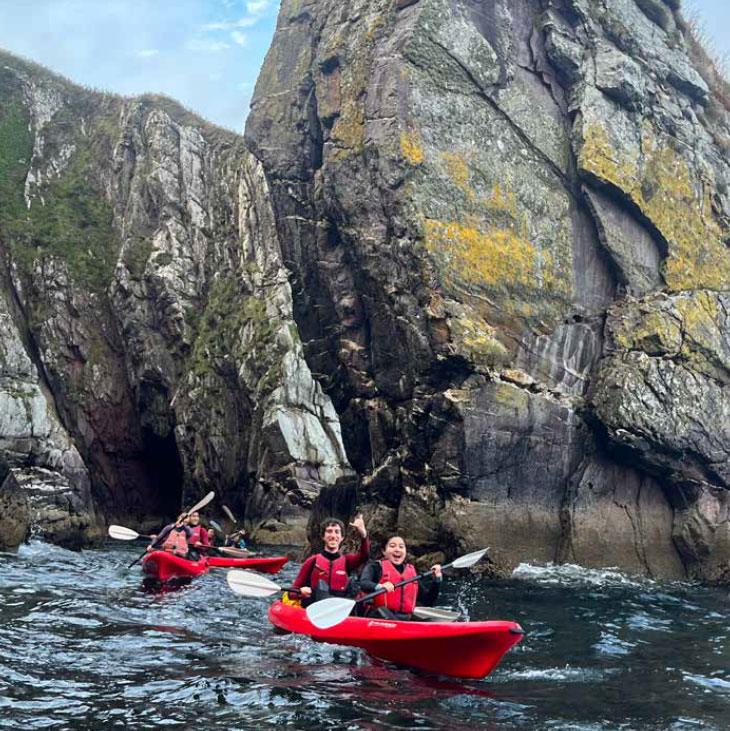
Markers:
{"x": 165, "y": 566}
{"x": 458, "y": 649}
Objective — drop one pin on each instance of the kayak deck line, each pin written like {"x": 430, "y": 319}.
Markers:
{"x": 456, "y": 649}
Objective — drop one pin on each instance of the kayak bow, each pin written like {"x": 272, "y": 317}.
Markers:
{"x": 457, "y": 649}
{"x": 165, "y": 566}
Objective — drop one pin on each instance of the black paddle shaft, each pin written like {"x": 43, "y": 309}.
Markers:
{"x": 378, "y": 592}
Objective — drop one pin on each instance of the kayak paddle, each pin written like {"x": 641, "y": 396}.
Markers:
{"x": 124, "y": 534}
{"x": 195, "y": 507}
{"x": 216, "y": 527}
{"x": 228, "y": 512}
{"x": 329, "y": 612}
{"x": 246, "y": 583}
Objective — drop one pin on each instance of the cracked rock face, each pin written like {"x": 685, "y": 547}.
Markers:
{"x": 148, "y": 351}
{"x": 506, "y": 226}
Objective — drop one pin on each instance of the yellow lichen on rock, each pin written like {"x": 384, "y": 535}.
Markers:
{"x": 502, "y": 201}
{"x": 700, "y": 316}
{"x": 457, "y": 170}
{"x": 498, "y": 258}
{"x": 655, "y": 332}
{"x": 672, "y": 196}
{"x": 411, "y": 148}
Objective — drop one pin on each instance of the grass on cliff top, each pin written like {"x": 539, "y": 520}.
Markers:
{"x": 177, "y": 111}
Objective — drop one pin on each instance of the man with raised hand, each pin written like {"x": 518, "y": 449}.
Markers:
{"x": 327, "y": 573}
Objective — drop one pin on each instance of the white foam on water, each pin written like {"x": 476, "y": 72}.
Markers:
{"x": 571, "y": 574}
{"x": 710, "y": 683}
{"x": 564, "y": 674}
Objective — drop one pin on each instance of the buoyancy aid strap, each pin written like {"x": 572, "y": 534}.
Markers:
{"x": 403, "y": 599}
{"x": 176, "y": 542}
{"x": 332, "y": 572}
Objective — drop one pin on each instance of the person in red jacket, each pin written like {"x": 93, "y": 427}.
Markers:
{"x": 199, "y": 532}
{"x": 384, "y": 574}
{"x": 198, "y": 537}
{"x": 330, "y": 566}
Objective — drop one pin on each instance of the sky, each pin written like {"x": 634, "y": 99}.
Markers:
{"x": 204, "y": 53}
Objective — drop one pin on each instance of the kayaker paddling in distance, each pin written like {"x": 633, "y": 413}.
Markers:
{"x": 198, "y": 533}
{"x": 174, "y": 537}
{"x": 384, "y": 574}
{"x": 329, "y": 566}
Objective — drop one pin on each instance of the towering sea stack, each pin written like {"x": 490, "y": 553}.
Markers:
{"x": 148, "y": 351}
{"x": 507, "y": 224}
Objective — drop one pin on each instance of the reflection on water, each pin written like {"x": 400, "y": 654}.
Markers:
{"x": 84, "y": 647}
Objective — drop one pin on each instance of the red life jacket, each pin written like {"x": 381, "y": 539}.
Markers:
{"x": 197, "y": 536}
{"x": 334, "y": 573}
{"x": 176, "y": 542}
{"x": 402, "y": 599}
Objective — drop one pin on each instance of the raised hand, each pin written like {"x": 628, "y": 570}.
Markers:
{"x": 359, "y": 525}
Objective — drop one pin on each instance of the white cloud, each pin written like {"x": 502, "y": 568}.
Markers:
{"x": 239, "y": 37}
{"x": 255, "y": 12}
{"x": 198, "y": 44}
{"x": 257, "y": 6}
{"x": 149, "y": 52}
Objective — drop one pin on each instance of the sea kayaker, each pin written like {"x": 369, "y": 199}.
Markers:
{"x": 237, "y": 540}
{"x": 212, "y": 540}
{"x": 174, "y": 537}
{"x": 384, "y": 574}
{"x": 327, "y": 573}
{"x": 199, "y": 535}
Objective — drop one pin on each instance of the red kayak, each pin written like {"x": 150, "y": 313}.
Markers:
{"x": 165, "y": 566}
{"x": 458, "y": 649}
{"x": 266, "y": 565}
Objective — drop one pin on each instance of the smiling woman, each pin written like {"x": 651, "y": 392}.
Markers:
{"x": 204, "y": 54}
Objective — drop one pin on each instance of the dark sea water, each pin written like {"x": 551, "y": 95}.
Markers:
{"x": 83, "y": 647}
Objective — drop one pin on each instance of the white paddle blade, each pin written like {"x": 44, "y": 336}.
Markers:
{"x": 246, "y": 583}
{"x": 329, "y": 612}
{"x": 470, "y": 559}
{"x": 230, "y": 515}
{"x": 122, "y": 534}
{"x": 202, "y": 503}
{"x": 435, "y": 614}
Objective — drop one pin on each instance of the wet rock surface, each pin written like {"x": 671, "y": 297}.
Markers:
{"x": 15, "y": 517}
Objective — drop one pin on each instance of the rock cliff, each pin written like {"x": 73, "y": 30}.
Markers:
{"x": 507, "y": 223}
{"x": 148, "y": 350}
{"x": 467, "y": 270}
